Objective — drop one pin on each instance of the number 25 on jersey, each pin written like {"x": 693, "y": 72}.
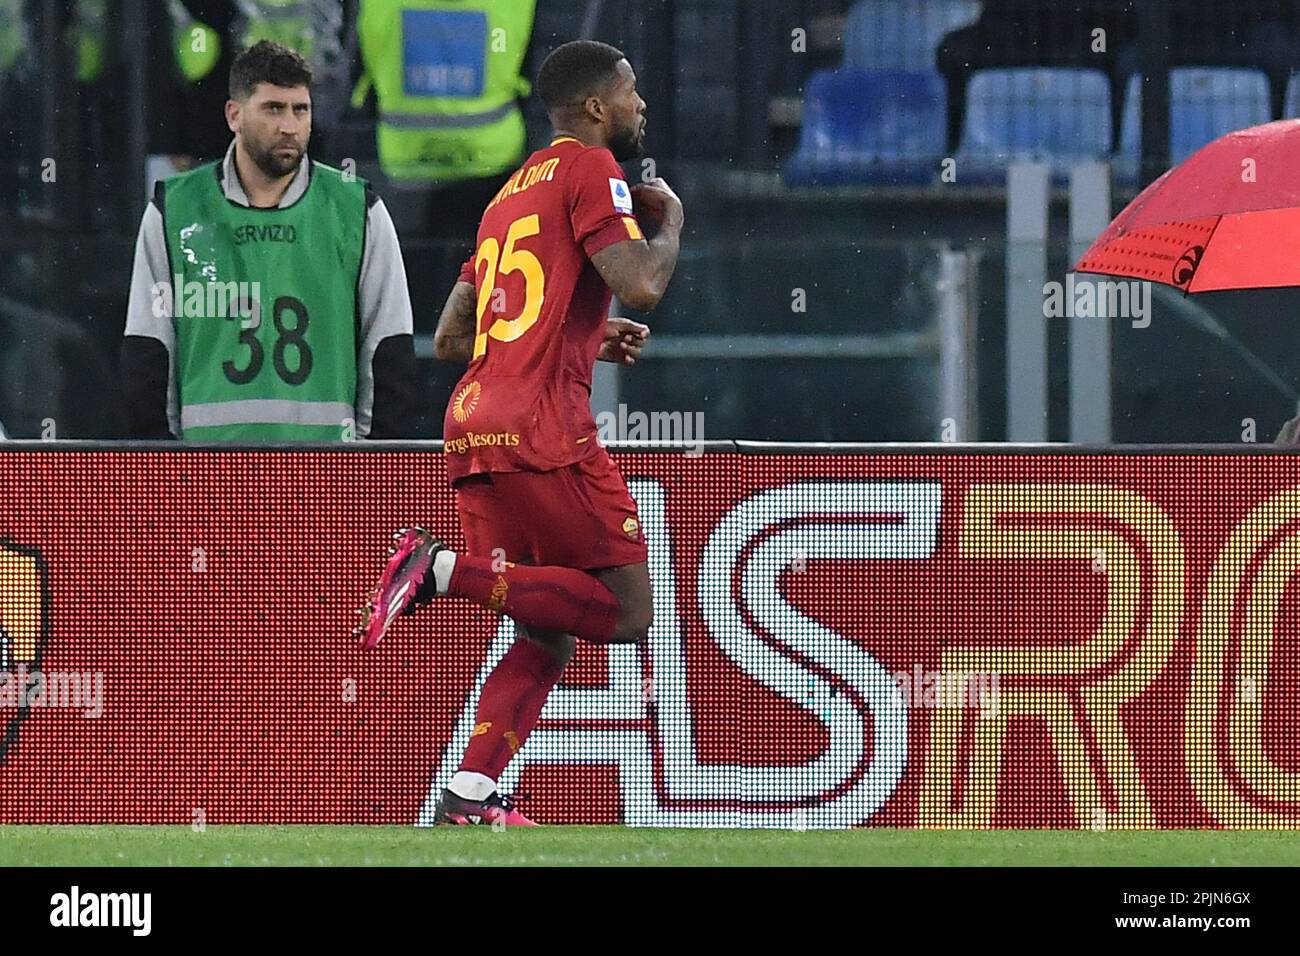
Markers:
{"x": 504, "y": 262}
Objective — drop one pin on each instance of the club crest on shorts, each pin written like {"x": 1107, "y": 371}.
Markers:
{"x": 466, "y": 400}
{"x": 631, "y": 527}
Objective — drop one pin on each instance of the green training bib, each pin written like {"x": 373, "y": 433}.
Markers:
{"x": 265, "y": 309}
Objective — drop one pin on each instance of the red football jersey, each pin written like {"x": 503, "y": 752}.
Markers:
{"x": 524, "y": 404}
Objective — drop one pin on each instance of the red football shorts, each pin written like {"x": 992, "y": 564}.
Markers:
{"x": 580, "y": 516}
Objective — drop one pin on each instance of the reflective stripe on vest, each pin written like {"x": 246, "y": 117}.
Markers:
{"x": 446, "y": 120}
{"x": 266, "y": 411}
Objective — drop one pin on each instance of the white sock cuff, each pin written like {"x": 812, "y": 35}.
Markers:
{"x": 472, "y": 786}
{"x": 443, "y": 564}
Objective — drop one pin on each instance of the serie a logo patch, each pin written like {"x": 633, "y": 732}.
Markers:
{"x": 621, "y": 194}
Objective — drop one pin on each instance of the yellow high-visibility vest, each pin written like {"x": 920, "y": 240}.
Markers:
{"x": 447, "y": 74}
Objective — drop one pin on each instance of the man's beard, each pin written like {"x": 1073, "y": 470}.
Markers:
{"x": 272, "y": 163}
{"x": 628, "y": 144}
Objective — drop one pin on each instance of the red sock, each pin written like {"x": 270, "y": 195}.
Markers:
{"x": 508, "y": 709}
{"x": 560, "y": 600}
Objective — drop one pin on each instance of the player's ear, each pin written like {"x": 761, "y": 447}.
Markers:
{"x": 595, "y": 109}
{"x": 232, "y": 115}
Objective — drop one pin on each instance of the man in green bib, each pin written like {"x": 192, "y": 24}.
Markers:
{"x": 268, "y": 299}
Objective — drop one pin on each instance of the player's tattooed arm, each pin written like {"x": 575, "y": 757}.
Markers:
{"x": 638, "y": 272}
{"x": 454, "y": 339}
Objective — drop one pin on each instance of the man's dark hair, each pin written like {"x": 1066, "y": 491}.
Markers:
{"x": 575, "y": 71}
{"x": 267, "y": 62}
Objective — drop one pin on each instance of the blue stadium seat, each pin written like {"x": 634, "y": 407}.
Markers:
{"x": 876, "y": 127}
{"x": 1057, "y": 116}
{"x": 1204, "y": 104}
{"x": 902, "y": 34}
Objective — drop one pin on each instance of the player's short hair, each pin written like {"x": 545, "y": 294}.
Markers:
{"x": 575, "y": 71}
{"x": 267, "y": 62}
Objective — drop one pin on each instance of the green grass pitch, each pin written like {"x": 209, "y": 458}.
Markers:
{"x": 624, "y": 846}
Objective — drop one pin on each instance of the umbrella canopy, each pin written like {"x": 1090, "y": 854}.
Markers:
{"x": 1226, "y": 218}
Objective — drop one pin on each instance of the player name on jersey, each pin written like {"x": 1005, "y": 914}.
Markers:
{"x": 526, "y": 178}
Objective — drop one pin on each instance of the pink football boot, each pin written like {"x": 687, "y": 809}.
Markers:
{"x": 407, "y": 583}
{"x": 496, "y": 810}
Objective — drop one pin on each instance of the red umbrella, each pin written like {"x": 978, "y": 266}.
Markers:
{"x": 1226, "y": 218}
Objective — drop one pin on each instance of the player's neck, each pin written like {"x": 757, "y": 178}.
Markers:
{"x": 262, "y": 191}
{"x": 587, "y": 139}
